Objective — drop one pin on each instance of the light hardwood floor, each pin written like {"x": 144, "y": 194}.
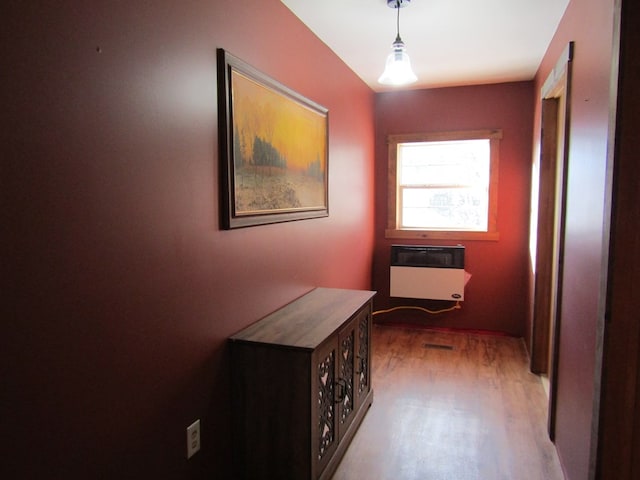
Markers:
{"x": 451, "y": 406}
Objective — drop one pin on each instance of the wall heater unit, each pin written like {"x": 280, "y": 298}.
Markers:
{"x": 429, "y": 272}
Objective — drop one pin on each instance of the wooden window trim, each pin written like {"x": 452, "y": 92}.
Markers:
{"x": 392, "y": 231}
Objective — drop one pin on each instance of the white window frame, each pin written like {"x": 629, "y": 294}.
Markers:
{"x": 395, "y": 231}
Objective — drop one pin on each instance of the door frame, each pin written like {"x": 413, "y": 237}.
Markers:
{"x": 549, "y": 258}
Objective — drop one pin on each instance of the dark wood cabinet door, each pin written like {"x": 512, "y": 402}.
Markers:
{"x": 325, "y": 416}
{"x": 345, "y": 382}
{"x": 363, "y": 357}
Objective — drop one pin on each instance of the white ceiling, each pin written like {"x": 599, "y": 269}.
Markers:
{"x": 450, "y": 42}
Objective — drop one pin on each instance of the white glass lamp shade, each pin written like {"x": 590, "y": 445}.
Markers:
{"x": 397, "y": 70}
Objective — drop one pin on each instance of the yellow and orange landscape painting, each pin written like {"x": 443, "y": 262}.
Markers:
{"x": 279, "y": 151}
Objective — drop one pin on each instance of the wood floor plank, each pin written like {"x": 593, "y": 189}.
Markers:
{"x": 451, "y": 406}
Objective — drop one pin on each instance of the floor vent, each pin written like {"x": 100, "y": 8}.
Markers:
{"x": 438, "y": 347}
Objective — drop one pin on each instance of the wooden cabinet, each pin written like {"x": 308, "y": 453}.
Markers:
{"x": 301, "y": 385}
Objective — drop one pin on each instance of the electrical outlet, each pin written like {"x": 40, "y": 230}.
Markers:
{"x": 193, "y": 438}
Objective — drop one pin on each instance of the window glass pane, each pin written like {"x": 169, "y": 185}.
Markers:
{"x": 463, "y": 162}
{"x": 444, "y": 208}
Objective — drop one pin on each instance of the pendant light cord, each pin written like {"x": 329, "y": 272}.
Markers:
{"x": 398, "y": 21}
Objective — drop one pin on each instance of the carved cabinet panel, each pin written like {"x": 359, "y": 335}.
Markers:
{"x": 325, "y": 409}
{"x": 300, "y": 395}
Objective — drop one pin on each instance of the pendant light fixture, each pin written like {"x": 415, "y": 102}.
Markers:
{"x": 397, "y": 70}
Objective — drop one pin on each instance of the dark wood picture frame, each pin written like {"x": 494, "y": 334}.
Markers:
{"x": 273, "y": 149}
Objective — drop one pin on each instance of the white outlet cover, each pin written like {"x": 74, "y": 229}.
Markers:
{"x": 193, "y": 438}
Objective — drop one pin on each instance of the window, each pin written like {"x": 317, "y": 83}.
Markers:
{"x": 443, "y": 185}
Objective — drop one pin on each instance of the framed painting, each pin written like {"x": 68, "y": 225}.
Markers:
{"x": 273, "y": 149}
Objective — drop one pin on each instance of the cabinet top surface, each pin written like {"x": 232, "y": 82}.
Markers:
{"x": 307, "y": 321}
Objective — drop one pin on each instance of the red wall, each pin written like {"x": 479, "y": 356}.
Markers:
{"x": 120, "y": 288}
{"x": 495, "y": 297}
{"x": 589, "y": 23}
